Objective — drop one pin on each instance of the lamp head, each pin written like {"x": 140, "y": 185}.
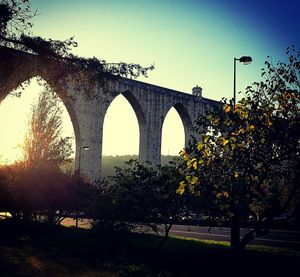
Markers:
{"x": 85, "y": 148}
{"x": 245, "y": 60}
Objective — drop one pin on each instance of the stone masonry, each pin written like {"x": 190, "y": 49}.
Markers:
{"x": 151, "y": 104}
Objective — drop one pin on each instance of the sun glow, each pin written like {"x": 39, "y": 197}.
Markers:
{"x": 14, "y": 118}
{"x": 120, "y": 129}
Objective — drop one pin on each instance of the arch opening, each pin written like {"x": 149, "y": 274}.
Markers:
{"x": 176, "y": 130}
{"x": 172, "y": 134}
{"x": 186, "y": 120}
{"x": 123, "y": 121}
{"x": 15, "y": 118}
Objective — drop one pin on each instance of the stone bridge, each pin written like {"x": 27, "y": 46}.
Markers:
{"x": 151, "y": 104}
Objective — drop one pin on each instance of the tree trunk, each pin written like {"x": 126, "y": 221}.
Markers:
{"x": 261, "y": 229}
{"x": 165, "y": 238}
{"x": 235, "y": 230}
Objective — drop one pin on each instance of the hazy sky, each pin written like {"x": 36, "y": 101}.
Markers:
{"x": 190, "y": 42}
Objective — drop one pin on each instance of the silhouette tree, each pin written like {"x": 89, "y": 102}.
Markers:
{"x": 139, "y": 194}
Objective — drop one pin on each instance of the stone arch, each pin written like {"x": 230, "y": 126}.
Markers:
{"x": 67, "y": 101}
{"x": 9, "y": 83}
{"x": 16, "y": 68}
{"x": 138, "y": 111}
{"x": 60, "y": 92}
{"x": 185, "y": 118}
{"x": 135, "y": 104}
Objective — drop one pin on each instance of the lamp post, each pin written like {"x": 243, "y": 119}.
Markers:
{"x": 235, "y": 225}
{"x": 79, "y": 159}
{"x": 245, "y": 60}
{"x": 86, "y": 148}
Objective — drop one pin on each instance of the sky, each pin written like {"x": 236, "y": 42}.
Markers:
{"x": 189, "y": 42}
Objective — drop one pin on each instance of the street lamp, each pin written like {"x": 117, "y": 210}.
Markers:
{"x": 235, "y": 229}
{"x": 245, "y": 60}
{"x": 85, "y": 148}
{"x": 79, "y": 159}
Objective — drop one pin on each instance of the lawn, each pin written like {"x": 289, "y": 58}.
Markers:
{"x": 43, "y": 251}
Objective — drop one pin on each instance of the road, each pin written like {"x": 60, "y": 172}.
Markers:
{"x": 276, "y": 238}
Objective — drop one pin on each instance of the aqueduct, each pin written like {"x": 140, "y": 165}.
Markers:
{"x": 151, "y": 104}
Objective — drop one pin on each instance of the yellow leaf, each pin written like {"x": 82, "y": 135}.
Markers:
{"x": 225, "y": 194}
{"x": 269, "y": 123}
{"x": 225, "y": 142}
{"x": 226, "y": 108}
{"x": 181, "y": 188}
{"x": 237, "y": 107}
{"x": 206, "y": 152}
{"x": 190, "y": 163}
{"x": 180, "y": 191}
{"x": 200, "y": 146}
{"x": 241, "y": 131}
{"x": 215, "y": 121}
{"x": 232, "y": 139}
{"x": 194, "y": 180}
{"x": 186, "y": 156}
{"x": 219, "y": 195}
{"x": 236, "y": 174}
{"x": 245, "y": 115}
{"x": 205, "y": 139}
{"x": 201, "y": 161}
{"x": 195, "y": 165}
{"x": 251, "y": 127}
{"x": 268, "y": 119}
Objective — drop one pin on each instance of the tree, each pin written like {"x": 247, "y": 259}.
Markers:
{"x": 5, "y": 196}
{"x": 130, "y": 189}
{"x": 44, "y": 143}
{"x": 168, "y": 204}
{"x": 43, "y": 193}
{"x": 248, "y": 159}
{"x": 140, "y": 195}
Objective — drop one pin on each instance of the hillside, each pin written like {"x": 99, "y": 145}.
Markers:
{"x": 110, "y": 162}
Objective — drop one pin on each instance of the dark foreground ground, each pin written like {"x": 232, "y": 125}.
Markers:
{"x": 46, "y": 251}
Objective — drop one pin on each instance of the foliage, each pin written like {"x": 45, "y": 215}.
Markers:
{"x": 110, "y": 162}
{"x": 128, "y": 191}
{"x": 44, "y": 143}
{"x": 15, "y": 25}
{"x": 247, "y": 162}
{"x": 37, "y": 188}
{"x": 139, "y": 195}
{"x": 42, "y": 193}
{"x": 5, "y": 197}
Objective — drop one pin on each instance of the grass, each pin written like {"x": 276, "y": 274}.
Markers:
{"x": 40, "y": 251}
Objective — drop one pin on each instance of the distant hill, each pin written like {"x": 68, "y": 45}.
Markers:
{"x": 109, "y": 162}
